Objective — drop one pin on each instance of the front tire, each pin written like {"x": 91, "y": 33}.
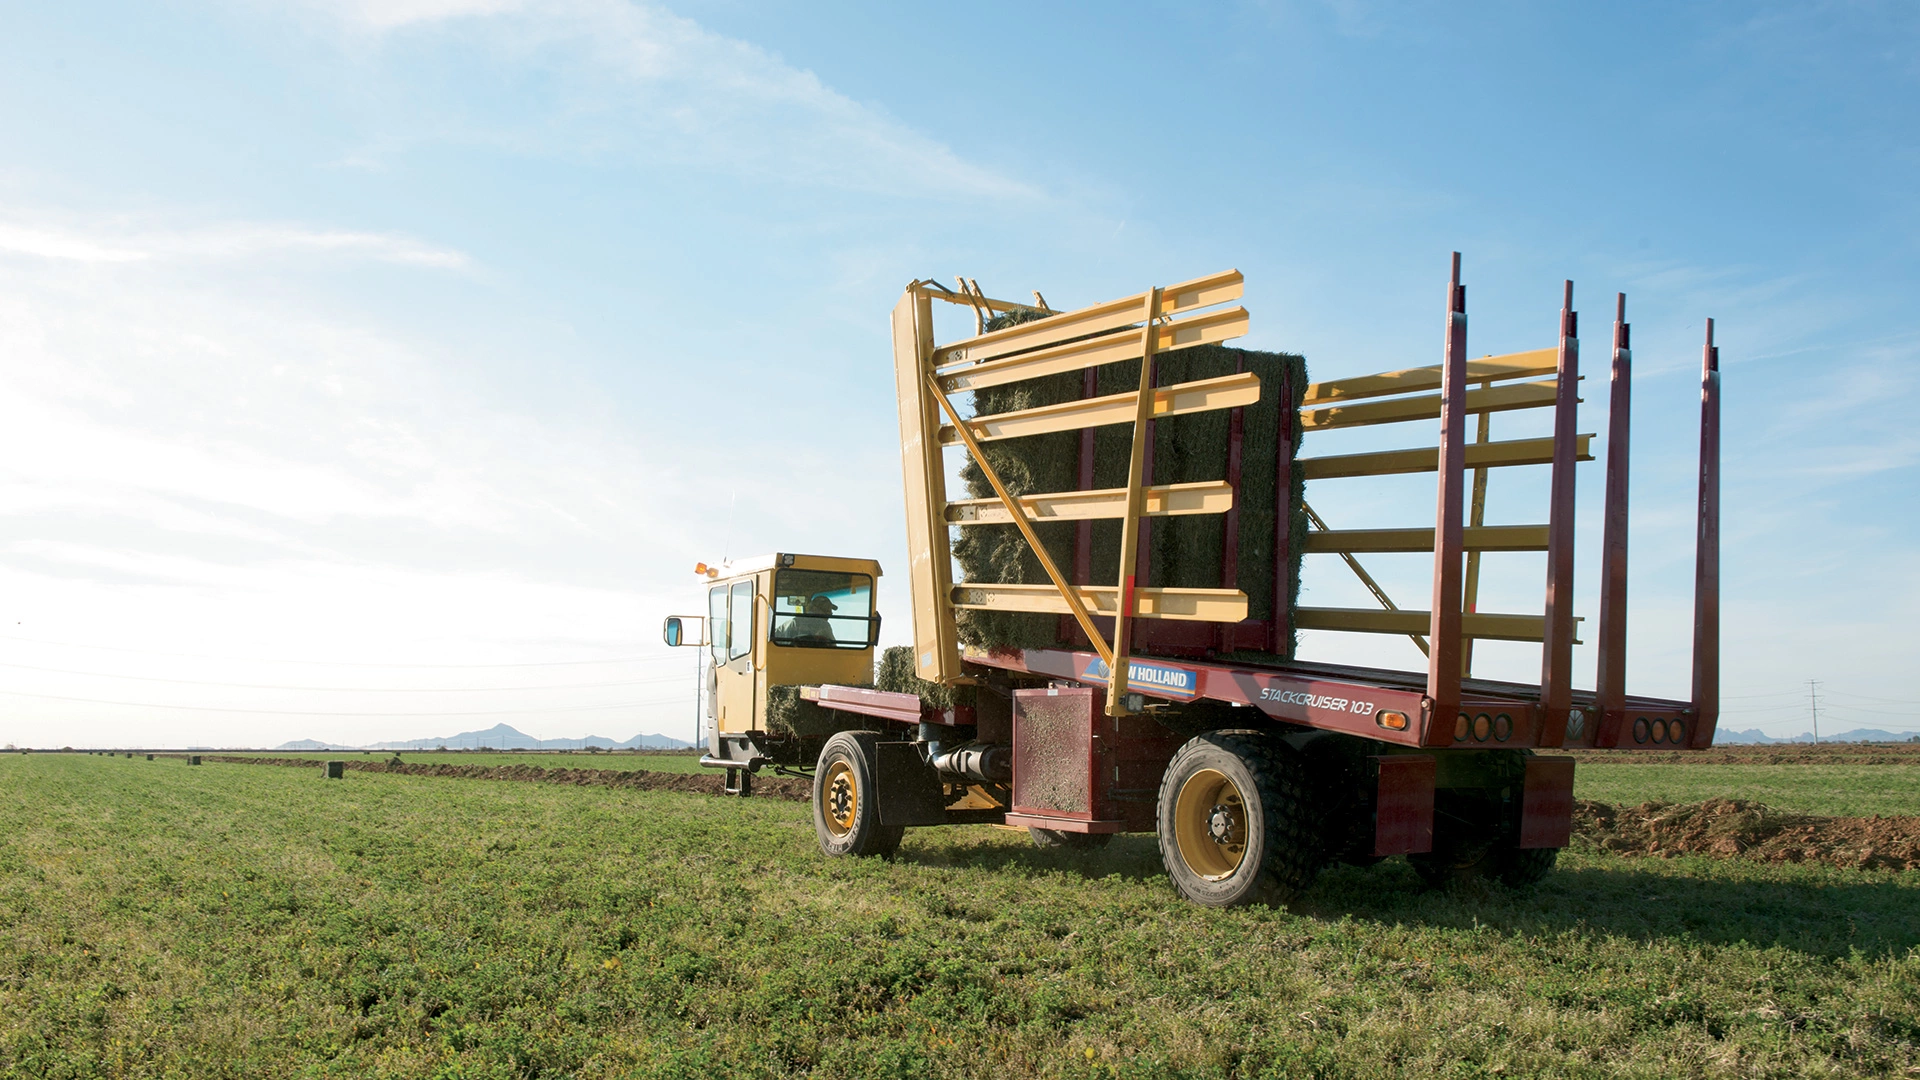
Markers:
{"x": 846, "y": 816}
{"x": 1236, "y": 821}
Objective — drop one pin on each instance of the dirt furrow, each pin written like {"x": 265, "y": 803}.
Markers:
{"x": 779, "y": 787}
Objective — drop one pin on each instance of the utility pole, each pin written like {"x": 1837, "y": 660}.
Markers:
{"x": 1813, "y": 699}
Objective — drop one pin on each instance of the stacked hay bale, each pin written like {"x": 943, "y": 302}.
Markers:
{"x": 1184, "y": 552}
{"x": 791, "y": 716}
{"x": 799, "y": 728}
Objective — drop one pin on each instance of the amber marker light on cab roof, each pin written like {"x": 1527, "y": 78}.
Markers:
{"x": 1392, "y": 721}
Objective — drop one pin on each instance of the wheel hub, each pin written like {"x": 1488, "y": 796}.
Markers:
{"x": 1210, "y": 824}
{"x": 841, "y": 799}
{"x": 1224, "y": 825}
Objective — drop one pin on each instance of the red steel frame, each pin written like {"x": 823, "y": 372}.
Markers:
{"x": 1610, "y": 681}
{"x": 1556, "y": 653}
{"x": 1443, "y": 634}
{"x": 1706, "y": 554}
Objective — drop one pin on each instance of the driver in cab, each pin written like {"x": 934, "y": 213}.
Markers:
{"x": 812, "y": 628}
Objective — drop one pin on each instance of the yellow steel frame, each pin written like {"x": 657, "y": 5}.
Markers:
{"x": 1157, "y": 320}
{"x": 1399, "y": 396}
{"x": 1138, "y": 327}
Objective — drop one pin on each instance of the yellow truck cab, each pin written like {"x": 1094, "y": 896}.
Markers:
{"x": 777, "y": 620}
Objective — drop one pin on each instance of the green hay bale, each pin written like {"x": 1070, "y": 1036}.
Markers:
{"x": 897, "y": 675}
{"x": 1184, "y": 552}
{"x": 790, "y": 715}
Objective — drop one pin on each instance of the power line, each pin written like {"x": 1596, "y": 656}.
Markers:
{"x": 298, "y": 712}
{"x": 1862, "y": 708}
{"x": 344, "y": 689}
{"x": 1883, "y": 700}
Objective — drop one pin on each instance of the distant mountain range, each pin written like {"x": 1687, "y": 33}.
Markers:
{"x": 502, "y": 737}
{"x": 1754, "y": 736}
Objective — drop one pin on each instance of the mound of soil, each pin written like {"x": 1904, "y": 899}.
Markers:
{"x": 1729, "y": 828}
{"x": 778, "y": 787}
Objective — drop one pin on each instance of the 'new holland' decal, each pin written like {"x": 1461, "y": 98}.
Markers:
{"x": 1163, "y": 680}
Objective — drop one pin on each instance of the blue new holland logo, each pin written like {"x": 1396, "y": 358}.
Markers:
{"x": 1162, "y": 680}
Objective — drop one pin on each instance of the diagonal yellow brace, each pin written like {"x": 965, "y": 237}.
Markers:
{"x": 1019, "y": 513}
{"x": 1136, "y": 504}
{"x": 1366, "y": 579}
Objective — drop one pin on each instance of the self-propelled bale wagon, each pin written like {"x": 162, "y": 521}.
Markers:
{"x": 1076, "y": 683}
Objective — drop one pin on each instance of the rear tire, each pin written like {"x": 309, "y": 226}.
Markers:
{"x": 1472, "y": 839}
{"x": 1079, "y": 841}
{"x": 1521, "y": 868}
{"x": 1236, "y": 821}
{"x": 846, "y": 816}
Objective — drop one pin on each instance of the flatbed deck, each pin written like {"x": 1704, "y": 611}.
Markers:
{"x": 1353, "y": 700}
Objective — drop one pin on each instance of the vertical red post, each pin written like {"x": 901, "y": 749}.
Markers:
{"x": 1226, "y": 634}
{"x": 1706, "y": 555}
{"x": 1610, "y": 683}
{"x": 1280, "y": 626}
{"x": 1443, "y": 651}
{"x": 1556, "y": 650}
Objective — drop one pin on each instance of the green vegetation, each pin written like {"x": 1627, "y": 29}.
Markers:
{"x": 676, "y": 761}
{"x": 232, "y": 920}
{"x": 1838, "y": 790}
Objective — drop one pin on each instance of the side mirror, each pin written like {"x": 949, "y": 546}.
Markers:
{"x": 681, "y": 630}
{"x": 873, "y": 630}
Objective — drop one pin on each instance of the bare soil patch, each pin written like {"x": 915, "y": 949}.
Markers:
{"x": 779, "y": 787}
{"x": 1736, "y": 828}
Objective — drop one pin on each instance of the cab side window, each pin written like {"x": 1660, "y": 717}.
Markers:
{"x": 717, "y": 623}
{"x": 740, "y": 620}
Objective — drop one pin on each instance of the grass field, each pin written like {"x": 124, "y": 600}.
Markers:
{"x": 1849, "y": 789}
{"x": 1839, "y": 790}
{"x": 234, "y": 920}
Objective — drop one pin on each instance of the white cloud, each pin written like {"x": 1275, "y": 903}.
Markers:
{"x": 681, "y": 90}
{"x": 47, "y": 243}
{"x": 214, "y": 463}
{"x": 389, "y": 14}
{"x": 122, "y": 243}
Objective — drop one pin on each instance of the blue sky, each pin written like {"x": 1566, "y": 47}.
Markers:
{"x": 380, "y": 369}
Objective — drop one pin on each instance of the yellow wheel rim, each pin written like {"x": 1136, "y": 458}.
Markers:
{"x": 840, "y": 798}
{"x": 1210, "y": 824}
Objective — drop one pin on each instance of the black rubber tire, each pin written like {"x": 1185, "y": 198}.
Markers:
{"x": 1282, "y": 852}
{"x": 1520, "y": 868}
{"x": 850, "y": 755}
{"x": 1078, "y": 841}
{"x": 1447, "y": 864}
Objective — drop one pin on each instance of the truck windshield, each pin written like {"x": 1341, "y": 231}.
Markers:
{"x": 822, "y": 609}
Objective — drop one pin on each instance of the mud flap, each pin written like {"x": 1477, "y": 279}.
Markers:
{"x": 907, "y": 790}
{"x": 1546, "y": 803}
{"x": 1403, "y": 804}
